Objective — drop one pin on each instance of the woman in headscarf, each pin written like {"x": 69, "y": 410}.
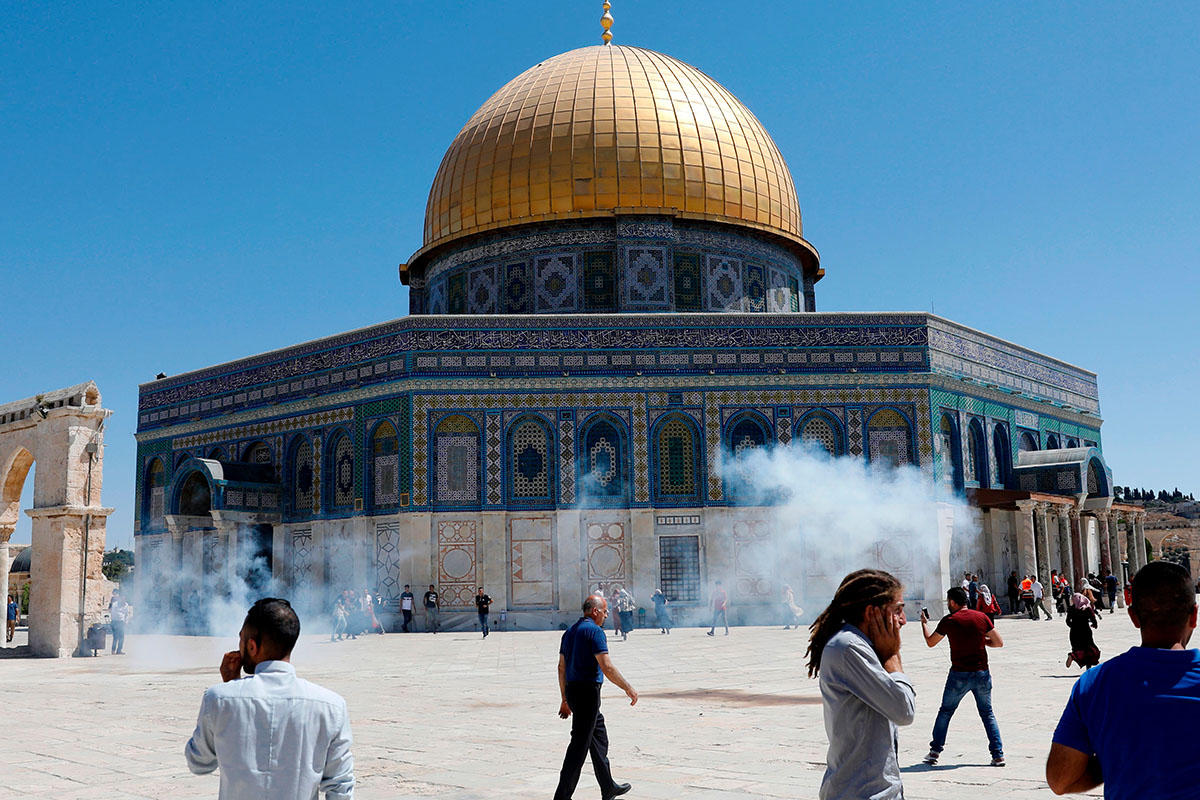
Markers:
{"x": 986, "y": 603}
{"x": 1081, "y": 618}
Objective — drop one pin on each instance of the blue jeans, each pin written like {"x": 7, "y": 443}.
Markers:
{"x": 957, "y": 686}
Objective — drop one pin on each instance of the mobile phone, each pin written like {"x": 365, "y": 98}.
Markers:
{"x": 924, "y": 613}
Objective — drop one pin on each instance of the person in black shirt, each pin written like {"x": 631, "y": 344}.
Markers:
{"x": 483, "y": 605}
{"x": 406, "y": 607}
{"x": 432, "y": 610}
{"x": 582, "y": 658}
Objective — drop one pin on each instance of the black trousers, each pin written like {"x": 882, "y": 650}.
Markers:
{"x": 588, "y": 735}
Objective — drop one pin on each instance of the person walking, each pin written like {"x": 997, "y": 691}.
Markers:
{"x": 973, "y": 591}
{"x": 1110, "y": 586}
{"x": 120, "y": 612}
{"x": 661, "y": 612}
{"x": 970, "y": 634}
{"x": 1128, "y": 723}
{"x": 791, "y": 611}
{"x": 1027, "y": 597}
{"x": 273, "y": 736}
{"x": 373, "y": 601}
{"x": 583, "y": 663}
{"x": 625, "y": 608}
{"x": 12, "y": 618}
{"x": 339, "y": 620}
{"x": 483, "y": 606}
{"x": 1039, "y": 600}
{"x": 433, "y": 610}
{"x": 854, "y": 649}
{"x": 719, "y": 604}
{"x": 406, "y": 608}
{"x": 1014, "y": 591}
{"x": 614, "y": 599}
{"x": 1081, "y": 619}
{"x": 987, "y": 603}
{"x": 1057, "y": 592}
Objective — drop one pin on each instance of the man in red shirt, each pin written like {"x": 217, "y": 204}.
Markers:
{"x": 970, "y": 633}
{"x": 718, "y": 603}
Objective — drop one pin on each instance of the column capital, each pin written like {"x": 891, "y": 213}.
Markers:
{"x": 6, "y": 532}
{"x": 1027, "y": 506}
{"x": 1041, "y": 507}
{"x": 1074, "y": 513}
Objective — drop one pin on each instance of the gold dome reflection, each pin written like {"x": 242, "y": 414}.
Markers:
{"x": 609, "y": 129}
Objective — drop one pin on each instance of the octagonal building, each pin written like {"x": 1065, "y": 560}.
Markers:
{"x": 613, "y": 295}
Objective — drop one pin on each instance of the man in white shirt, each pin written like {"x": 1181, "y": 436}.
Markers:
{"x": 1039, "y": 601}
{"x": 274, "y": 736}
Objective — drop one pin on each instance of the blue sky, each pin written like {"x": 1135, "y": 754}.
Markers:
{"x": 185, "y": 184}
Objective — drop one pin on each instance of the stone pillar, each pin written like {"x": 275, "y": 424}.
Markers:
{"x": 1064, "y": 546}
{"x": 1026, "y": 547}
{"x": 1042, "y": 534}
{"x": 225, "y": 575}
{"x": 5, "y": 533}
{"x": 1114, "y": 549}
{"x": 59, "y": 564}
{"x": 1131, "y": 548}
{"x": 1105, "y": 552}
{"x": 1139, "y": 527}
{"x": 1077, "y": 562}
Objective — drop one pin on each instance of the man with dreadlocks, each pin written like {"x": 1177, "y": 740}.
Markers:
{"x": 854, "y": 648}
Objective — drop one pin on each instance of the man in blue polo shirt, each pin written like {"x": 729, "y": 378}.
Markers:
{"x": 582, "y": 658}
{"x": 1129, "y": 722}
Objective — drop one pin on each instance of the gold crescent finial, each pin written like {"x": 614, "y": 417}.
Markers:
{"x": 606, "y": 22}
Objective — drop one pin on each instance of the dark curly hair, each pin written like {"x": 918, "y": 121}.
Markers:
{"x": 858, "y": 590}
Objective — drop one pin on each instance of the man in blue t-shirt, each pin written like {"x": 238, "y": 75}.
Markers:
{"x": 1129, "y": 722}
{"x": 582, "y": 663}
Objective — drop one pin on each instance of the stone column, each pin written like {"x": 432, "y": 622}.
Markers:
{"x": 1105, "y": 552}
{"x": 1114, "y": 550}
{"x": 1064, "y": 546}
{"x": 1026, "y": 546}
{"x": 1139, "y": 527}
{"x": 1077, "y": 562}
{"x": 1042, "y": 534}
{"x": 1131, "y": 548}
{"x": 6, "y": 532}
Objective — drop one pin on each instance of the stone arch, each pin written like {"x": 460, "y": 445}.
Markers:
{"x": 383, "y": 466}
{"x": 61, "y": 432}
{"x": 1052, "y": 442}
{"x": 977, "y": 446}
{"x": 820, "y": 429}
{"x": 744, "y": 432}
{"x": 890, "y": 437}
{"x": 1002, "y": 452}
{"x": 1027, "y": 443}
{"x": 530, "y": 476}
{"x": 339, "y": 471}
{"x": 677, "y": 460}
{"x": 301, "y": 477}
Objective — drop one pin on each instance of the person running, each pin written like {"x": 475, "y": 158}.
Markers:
{"x": 433, "y": 610}
{"x": 719, "y": 603}
{"x": 791, "y": 611}
{"x": 987, "y": 603}
{"x": 583, "y": 661}
{"x": 1039, "y": 600}
{"x": 1027, "y": 597}
{"x": 970, "y": 634}
{"x": 1081, "y": 619}
{"x": 625, "y": 608}
{"x": 339, "y": 620}
{"x": 483, "y": 606}
{"x": 661, "y": 612}
{"x": 854, "y": 649}
{"x": 272, "y": 735}
{"x": 1129, "y": 722}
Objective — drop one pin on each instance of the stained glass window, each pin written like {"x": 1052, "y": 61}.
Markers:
{"x": 676, "y": 459}
{"x": 603, "y": 467}
{"x": 341, "y": 462}
{"x": 457, "y": 443}
{"x": 529, "y": 461}
{"x": 303, "y": 478}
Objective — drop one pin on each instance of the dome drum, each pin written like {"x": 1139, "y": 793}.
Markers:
{"x": 629, "y": 264}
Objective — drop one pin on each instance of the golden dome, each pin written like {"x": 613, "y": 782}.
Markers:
{"x": 611, "y": 129}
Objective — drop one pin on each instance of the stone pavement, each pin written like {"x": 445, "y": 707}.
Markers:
{"x": 454, "y": 716}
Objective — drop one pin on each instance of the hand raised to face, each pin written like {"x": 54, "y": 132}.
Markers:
{"x": 231, "y": 666}
{"x": 883, "y": 629}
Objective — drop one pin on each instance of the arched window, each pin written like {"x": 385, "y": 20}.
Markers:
{"x": 530, "y": 468}
{"x": 155, "y": 489}
{"x": 1072, "y": 443}
{"x": 602, "y": 468}
{"x": 302, "y": 477}
{"x": 218, "y": 454}
{"x": 340, "y": 472}
{"x": 257, "y": 453}
{"x": 384, "y": 464}
{"x": 1097, "y": 480}
{"x": 747, "y": 433}
{"x": 889, "y": 438}
{"x": 1027, "y": 444}
{"x": 456, "y": 456}
{"x": 821, "y": 431}
{"x": 677, "y": 476}
{"x": 952, "y": 469}
{"x": 1002, "y": 452}
{"x": 1052, "y": 442}
{"x": 978, "y": 451}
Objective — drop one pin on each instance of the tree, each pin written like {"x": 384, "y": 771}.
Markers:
{"x": 117, "y": 564}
